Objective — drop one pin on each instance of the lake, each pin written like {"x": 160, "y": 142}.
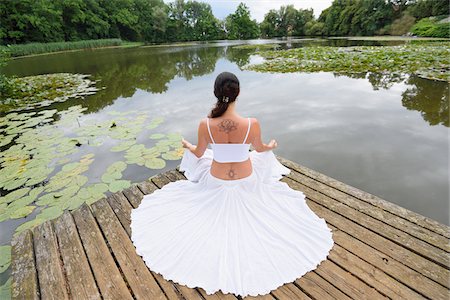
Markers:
{"x": 380, "y": 133}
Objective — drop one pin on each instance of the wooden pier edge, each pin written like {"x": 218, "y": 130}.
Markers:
{"x": 381, "y": 251}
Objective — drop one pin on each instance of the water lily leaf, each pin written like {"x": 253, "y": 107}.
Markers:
{"x": 28, "y": 225}
{"x": 5, "y": 257}
{"x": 5, "y": 289}
{"x": 13, "y": 184}
{"x": 75, "y": 203}
{"x": 117, "y": 166}
{"x": 49, "y": 213}
{"x": 123, "y": 146}
{"x": 110, "y": 177}
{"x": 22, "y": 212}
{"x": 98, "y": 188}
{"x": 155, "y": 122}
{"x": 171, "y": 155}
{"x": 174, "y": 136}
{"x": 119, "y": 185}
{"x": 157, "y": 136}
{"x": 14, "y": 195}
{"x": 155, "y": 163}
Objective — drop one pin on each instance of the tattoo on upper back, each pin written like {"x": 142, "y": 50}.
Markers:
{"x": 227, "y": 125}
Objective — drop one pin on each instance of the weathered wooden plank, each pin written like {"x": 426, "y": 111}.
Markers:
{"x": 288, "y": 292}
{"x": 376, "y": 241}
{"x": 167, "y": 286}
{"x": 133, "y": 267}
{"x": 79, "y": 276}
{"x": 410, "y": 278}
{"x": 50, "y": 274}
{"x": 409, "y": 215}
{"x": 147, "y": 187}
{"x": 106, "y": 273}
{"x": 134, "y": 195}
{"x": 24, "y": 283}
{"x": 399, "y": 237}
{"x": 188, "y": 293}
{"x": 392, "y": 224}
{"x": 318, "y": 288}
{"x": 174, "y": 175}
{"x": 368, "y": 273}
{"x": 160, "y": 180}
{"x": 214, "y": 296}
{"x": 122, "y": 209}
{"x": 263, "y": 297}
{"x": 346, "y": 282}
{"x": 386, "y": 247}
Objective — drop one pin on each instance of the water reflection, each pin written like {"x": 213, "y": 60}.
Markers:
{"x": 430, "y": 98}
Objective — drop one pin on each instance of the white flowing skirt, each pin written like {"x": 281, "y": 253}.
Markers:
{"x": 246, "y": 236}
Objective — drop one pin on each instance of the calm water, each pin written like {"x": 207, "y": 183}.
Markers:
{"x": 382, "y": 134}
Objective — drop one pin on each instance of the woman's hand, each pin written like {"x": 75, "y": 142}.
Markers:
{"x": 186, "y": 144}
{"x": 272, "y": 144}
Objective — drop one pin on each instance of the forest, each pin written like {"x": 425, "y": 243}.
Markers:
{"x": 153, "y": 21}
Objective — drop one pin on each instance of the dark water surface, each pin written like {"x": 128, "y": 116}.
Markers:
{"x": 380, "y": 133}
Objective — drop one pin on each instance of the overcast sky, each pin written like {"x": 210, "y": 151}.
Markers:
{"x": 258, "y": 8}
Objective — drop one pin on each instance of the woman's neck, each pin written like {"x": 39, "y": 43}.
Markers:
{"x": 231, "y": 110}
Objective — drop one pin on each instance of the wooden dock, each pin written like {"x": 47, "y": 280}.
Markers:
{"x": 381, "y": 250}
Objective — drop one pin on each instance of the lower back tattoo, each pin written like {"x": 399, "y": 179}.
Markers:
{"x": 231, "y": 173}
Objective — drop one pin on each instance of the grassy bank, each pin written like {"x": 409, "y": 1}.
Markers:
{"x": 39, "y": 48}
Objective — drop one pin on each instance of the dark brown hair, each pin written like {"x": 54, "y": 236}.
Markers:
{"x": 226, "y": 87}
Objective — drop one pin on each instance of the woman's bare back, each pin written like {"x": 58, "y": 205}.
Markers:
{"x": 231, "y": 129}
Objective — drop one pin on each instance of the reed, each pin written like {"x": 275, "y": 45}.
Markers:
{"x": 39, "y": 48}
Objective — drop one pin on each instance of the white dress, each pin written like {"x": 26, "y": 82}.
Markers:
{"x": 246, "y": 236}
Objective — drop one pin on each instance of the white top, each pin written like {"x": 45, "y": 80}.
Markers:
{"x": 223, "y": 152}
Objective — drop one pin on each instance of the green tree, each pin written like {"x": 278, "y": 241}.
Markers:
{"x": 240, "y": 26}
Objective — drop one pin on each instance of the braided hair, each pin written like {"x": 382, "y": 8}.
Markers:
{"x": 226, "y": 90}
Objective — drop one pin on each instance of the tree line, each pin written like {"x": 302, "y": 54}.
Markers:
{"x": 24, "y": 21}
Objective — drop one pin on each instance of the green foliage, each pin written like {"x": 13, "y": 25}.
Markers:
{"x": 240, "y": 26}
{"x": 287, "y": 21}
{"x": 6, "y": 85}
{"x": 426, "y": 8}
{"x": 351, "y": 17}
{"x": 430, "y": 27}
{"x": 192, "y": 20}
{"x": 400, "y": 26}
{"x": 38, "y": 48}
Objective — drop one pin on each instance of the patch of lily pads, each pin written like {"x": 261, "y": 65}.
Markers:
{"x": 429, "y": 60}
{"x": 257, "y": 47}
{"x": 39, "y": 172}
{"x": 43, "y": 90}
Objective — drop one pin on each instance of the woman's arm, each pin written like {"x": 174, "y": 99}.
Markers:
{"x": 202, "y": 143}
{"x": 257, "y": 143}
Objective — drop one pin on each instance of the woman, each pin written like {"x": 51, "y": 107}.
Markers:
{"x": 233, "y": 225}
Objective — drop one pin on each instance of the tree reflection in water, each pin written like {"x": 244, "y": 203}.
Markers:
{"x": 430, "y": 98}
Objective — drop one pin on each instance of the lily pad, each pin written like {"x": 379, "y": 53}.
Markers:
{"x": 22, "y": 212}
{"x": 157, "y": 136}
{"x": 5, "y": 290}
{"x": 119, "y": 185}
{"x": 155, "y": 163}
{"x": 5, "y": 257}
